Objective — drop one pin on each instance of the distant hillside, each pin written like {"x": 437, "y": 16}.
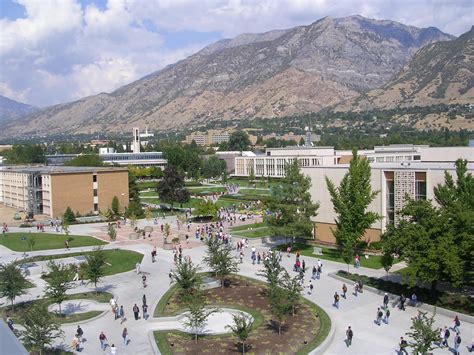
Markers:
{"x": 440, "y": 73}
{"x": 274, "y": 74}
{"x": 10, "y": 109}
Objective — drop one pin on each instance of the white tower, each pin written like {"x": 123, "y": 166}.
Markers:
{"x": 136, "y": 140}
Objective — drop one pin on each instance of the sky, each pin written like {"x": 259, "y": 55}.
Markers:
{"x": 55, "y": 51}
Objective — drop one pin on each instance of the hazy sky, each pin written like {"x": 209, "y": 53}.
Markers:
{"x": 53, "y": 51}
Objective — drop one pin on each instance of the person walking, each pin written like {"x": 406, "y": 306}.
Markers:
{"x": 144, "y": 281}
{"x": 145, "y": 311}
{"x": 303, "y": 266}
{"x": 402, "y": 302}
{"x": 446, "y": 334}
{"x": 79, "y": 333}
{"x": 122, "y": 314}
{"x": 403, "y": 345}
{"x": 456, "y": 324}
{"x": 136, "y": 311}
{"x": 103, "y": 341}
{"x": 379, "y": 316}
{"x": 356, "y": 289}
{"x": 113, "y": 350}
{"x": 144, "y": 299}
{"x": 349, "y": 336}
{"x": 385, "y": 300}
{"x": 315, "y": 270}
{"x": 336, "y": 300}
{"x": 344, "y": 291}
{"x": 125, "y": 336}
{"x": 457, "y": 343}
{"x": 310, "y": 286}
{"x": 387, "y": 315}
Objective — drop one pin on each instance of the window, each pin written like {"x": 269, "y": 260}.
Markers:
{"x": 94, "y": 178}
{"x": 95, "y": 192}
{"x": 390, "y": 197}
{"x": 96, "y": 207}
{"x": 420, "y": 190}
{"x": 380, "y": 159}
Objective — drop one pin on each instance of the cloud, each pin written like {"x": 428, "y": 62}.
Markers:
{"x": 63, "y": 50}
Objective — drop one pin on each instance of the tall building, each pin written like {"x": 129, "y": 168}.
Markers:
{"x": 208, "y": 138}
{"x": 49, "y": 190}
{"x": 136, "y": 146}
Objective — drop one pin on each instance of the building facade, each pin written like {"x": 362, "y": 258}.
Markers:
{"x": 50, "y": 190}
{"x": 208, "y": 138}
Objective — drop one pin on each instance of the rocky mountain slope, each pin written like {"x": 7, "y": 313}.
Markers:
{"x": 274, "y": 74}
{"x": 10, "y": 109}
{"x": 440, "y": 73}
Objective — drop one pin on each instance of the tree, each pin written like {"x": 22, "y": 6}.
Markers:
{"x": 197, "y": 315}
{"x": 166, "y": 231}
{"x": 387, "y": 261}
{"x": 351, "y": 200}
{"x": 171, "y": 188}
{"x": 219, "y": 259}
{"x": 115, "y": 206}
{"x": 31, "y": 241}
{"x": 58, "y": 282}
{"x": 134, "y": 209}
{"x": 94, "y": 266}
{"x": 423, "y": 334}
{"x": 206, "y": 209}
{"x": 12, "y": 282}
{"x": 187, "y": 277}
{"x": 69, "y": 216}
{"x": 425, "y": 240}
{"x": 25, "y": 154}
{"x": 241, "y": 328}
{"x": 41, "y": 328}
{"x": 291, "y": 205}
{"x": 111, "y": 232}
{"x": 252, "y": 175}
{"x": 348, "y": 252}
{"x": 293, "y": 288}
{"x": 456, "y": 200}
{"x": 213, "y": 167}
{"x": 239, "y": 140}
{"x": 279, "y": 304}
{"x": 272, "y": 270}
{"x": 133, "y": 220}
{"x": 85, "y": 160}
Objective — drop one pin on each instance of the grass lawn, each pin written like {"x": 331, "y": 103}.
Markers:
{"x": 192, "y": 203}
{"x": 244, "y": 182}
{"x": 46, "y": 241}
{"x": 148, "y": 193}
{"x": 205, "y": 190}
{"x": 254, "y": 192}
{"x": 22, "y": 307}
{"x": 247, "y": 226}
{"x": 255, "y": 233}
{"x": 333, "y": 255}
{"x": 117, "y": 260}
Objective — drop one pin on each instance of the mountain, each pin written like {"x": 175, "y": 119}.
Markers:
{"x": 439, "y": 73}
{"x": 10, "y": 109}
{"x": 278, "y": 73}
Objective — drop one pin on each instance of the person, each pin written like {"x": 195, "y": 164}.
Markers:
{"x": 144, "y": 299}
{"x": 125, "y": 336}
{"x": 379, "y": 316}
{"x": 103, "y": 341}
{"x": 310, "y": 286}
{"x": 385, "y": 300}
{"x": 112, "y": 303}
{"x": 349, "y": 335}
{"x": 403, "y": 346}
{"x": 113, "y": 350}
{"x": 76, "y": 275}
{"x": 414, "y": 300}
{"x": 387, "y": 315}
{"x": 79, "y": 332}
{"x": 145, "y": 311}
{"x": 402, "y": 302}
{"x": 66, "y": 243}
{"x": 315, "y": 270}
{"x": 137, "y": 267}
{"x": 344, "y": 291}
{"x": 136, "y": 311}
{"x": 446, "y": 335}
{"x": 122, "y": 314}
{"x": 456, "y": 324}
{"x": 76, "y": 343}
{"x": 356, "y": 289}
{"x": 303, "y": 266}
{"x": 144, "y": 280}
{"x": 336, "y": 300}
{"x": 457, "y": 343}
{"x": 10, "y": 324}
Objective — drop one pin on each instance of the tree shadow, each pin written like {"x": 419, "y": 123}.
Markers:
{"x": 106, "y": 288}
{"x": 273, "y": 326}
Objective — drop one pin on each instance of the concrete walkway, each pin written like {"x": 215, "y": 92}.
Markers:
{"x": 358, "y": 312}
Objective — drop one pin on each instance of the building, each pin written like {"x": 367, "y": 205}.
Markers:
{"x": 145, "y": 136}
{"x": 49, "y": 190}
{"x": 136, "y": 145}
{"x": 394, "y": 181}
{"x": 208, "y": 138}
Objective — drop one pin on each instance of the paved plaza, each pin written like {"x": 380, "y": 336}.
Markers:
{"x": 358, "y": 312}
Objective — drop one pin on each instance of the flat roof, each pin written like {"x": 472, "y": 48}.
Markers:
{"x": 44, "y": 169}
{"x": 408, "y": 165}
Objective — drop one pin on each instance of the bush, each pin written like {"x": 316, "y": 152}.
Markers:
{"x": 69, "y": 216}
{"x": 457, "y": 302}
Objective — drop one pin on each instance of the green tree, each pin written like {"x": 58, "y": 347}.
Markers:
{"x": 239, "y": 140}
{"x": 197, "y": 315}
{"x": 272, "y": 270}
{"x": 25, "y": 154}
{"x": 213, "y": 167}
{"x": 187, "y": 277}
{"x": 241, "y": 328}
{"x": 348, "y": 252}
{"x": 206, "y": 209}
{"x": 115, "y": 206}
{"x": 69, "y": 216}
{"x": 279, "y": 304}
{"x": 94, "y": 266}
{"x": 58, "y": 282}
{"x": 41, "y": 328}
{"x": 134, "y": 209}
{"x": 86, "y": 160}
{"x": 111, "y": 232}
{"x": 292, "y": 287}
{"x": 219, "y": 259}
{"x": 422, "y": 334}
{"x": 351, "y": 200}
{"x": 424, "y": 239}
{"x": 291, "y": 204}
{"x": 387, "y": 261}
{"x": 456, "y": 200}
{"x": 12, "y": 282}
{"x": 166, "y": 231}
{"x": 171, "y": 188}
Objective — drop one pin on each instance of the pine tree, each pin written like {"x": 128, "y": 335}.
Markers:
{"x": 68, "y": 216}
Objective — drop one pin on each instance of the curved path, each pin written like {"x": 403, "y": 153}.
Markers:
{"x": 359, "y": 312}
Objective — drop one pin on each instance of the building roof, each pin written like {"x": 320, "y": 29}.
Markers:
{"x": 408, "y": 165}
{"x": 43, "y": 169}
{"x": 9, "y": 342}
